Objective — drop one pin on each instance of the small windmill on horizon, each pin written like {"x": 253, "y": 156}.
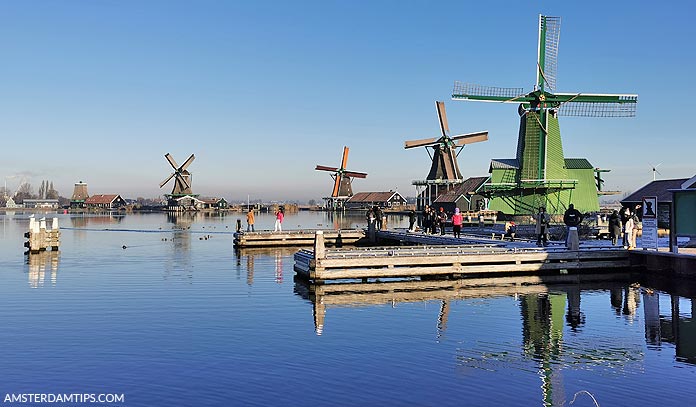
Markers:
{"x": 343, "y": 180}
{"x": 182, "y": 196}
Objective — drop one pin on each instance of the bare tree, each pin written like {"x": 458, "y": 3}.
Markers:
{"x": 25, "y": 191}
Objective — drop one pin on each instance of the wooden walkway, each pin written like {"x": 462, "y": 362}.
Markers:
{"x": 296, "y": 238}
{"x": 403, "y": 236}
{"x": 322, "y": 264}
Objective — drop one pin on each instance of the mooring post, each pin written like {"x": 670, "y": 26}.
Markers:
{"x": 319, "y": 248}
{"x": 573, "y": 239}
{"x": 54, "y": 235}
{"x": 371, "y": 230}
{"x": 384, "y": 223}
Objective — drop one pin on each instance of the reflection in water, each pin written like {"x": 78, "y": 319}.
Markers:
{"x": 249, "y": 255}
{"x": 278, "y": 268}
{"x": 39, "y": 263}
{"x": 545, "y": 311}
{"x": 180, "y": 261}
{"x": 542, "y": 332}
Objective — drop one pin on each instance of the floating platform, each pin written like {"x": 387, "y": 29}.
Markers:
{"x": 322, "y": 264}
{"x": 296, "y": 238}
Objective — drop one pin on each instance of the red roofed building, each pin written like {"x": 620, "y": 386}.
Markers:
{"x": 109, "y": 201}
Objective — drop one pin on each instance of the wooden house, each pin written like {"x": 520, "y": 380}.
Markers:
{"x": 105, "y": 201}
{"x": 214, "y": 203}
{"x": 385, "y": 200}
{"x": 464, "y": 196}
{"x": 662, "y": 190}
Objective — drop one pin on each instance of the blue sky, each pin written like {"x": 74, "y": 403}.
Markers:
{"x": 261, "y": 92}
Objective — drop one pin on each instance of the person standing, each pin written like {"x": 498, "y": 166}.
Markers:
{"x": 435, "y": 221}
{"x": 625, "y": 215}
{"x": 279, "y": 221}
{"x": 628, "y": 232}
{"x": 572, "y": 218}
{"x": 442, "y": 220}
{"x": 250, "y": 220}
{"x": 411, "y": 220}
{"x": 636, "y": 225}
{"x": 542, "y": 226}
{"x": 457, "y": 220}
{"x": 426, "y": 219}
{"x": 614, "y": 227}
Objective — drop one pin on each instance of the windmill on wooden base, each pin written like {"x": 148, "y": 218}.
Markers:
{"x": 343, "y": 180}
{"x": 444, "y": 171}
{"x": 540, "y": 175}
{"x": 181, "y": 197}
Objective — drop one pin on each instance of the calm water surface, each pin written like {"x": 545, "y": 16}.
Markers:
{"x": 177, "y": 318}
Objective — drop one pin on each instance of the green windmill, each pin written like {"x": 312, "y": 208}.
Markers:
{"x": 540, "y": 175}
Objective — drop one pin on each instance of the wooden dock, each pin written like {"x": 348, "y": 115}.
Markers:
{"x": 296, "y": 238}
{"x": 322, "y": 264}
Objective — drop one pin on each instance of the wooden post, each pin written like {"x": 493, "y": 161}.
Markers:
{"x": 319, "y": 248}
{"x": 371, "y": 230}
{"x": 573, "y": 240}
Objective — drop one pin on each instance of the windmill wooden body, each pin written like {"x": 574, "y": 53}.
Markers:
{"x": 181, "y": 197}
{"x": 540, "y": 175}
{"x": 444, "y": 171}
{"x": 343, "y": 180}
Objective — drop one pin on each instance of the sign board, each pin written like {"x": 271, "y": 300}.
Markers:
{"x": 649, "y": 208}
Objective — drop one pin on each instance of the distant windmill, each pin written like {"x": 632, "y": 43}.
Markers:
{"x": 540, "y": 174}
{"x": 182, "y": 177}
{"x": 343, "y": 179}
{"x": 445, "y": 148}
{"x": 444, "y": 170}
{"x": 655, "y": 171}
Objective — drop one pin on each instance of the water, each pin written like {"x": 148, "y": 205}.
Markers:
{"x": 177, "y": 318}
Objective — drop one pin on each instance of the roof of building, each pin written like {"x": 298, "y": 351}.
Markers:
{"x": 471, "y": 185}
{"x": 374, "y": 196}
{"x": 659, "y": 188}
{"x": 578, "y": 164}
{"x": 504, "y": 164}
{"x": 101, "y": 199}
{"x": 213, "y": 201}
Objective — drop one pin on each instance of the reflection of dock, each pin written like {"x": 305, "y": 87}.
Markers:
{"x": 39, "y": 263}
{"x": 338, "y": 295}
{"x": 404, "y": 262}
{"x": 296, "y": 238}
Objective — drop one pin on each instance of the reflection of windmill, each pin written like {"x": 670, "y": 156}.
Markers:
{"x": 343, "y": 179}
{"x": 540, "y": 174}
{"x": 181, "y": 192}
{"x": 444, "y": 170}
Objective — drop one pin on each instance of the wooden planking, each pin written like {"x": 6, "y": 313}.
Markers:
{"x": 294, "y": 238}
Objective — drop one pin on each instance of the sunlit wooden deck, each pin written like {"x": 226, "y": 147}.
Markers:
{"x": 297, "y": 238}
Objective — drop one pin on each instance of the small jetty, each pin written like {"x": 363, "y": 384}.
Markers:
{"x": 297, "y": 238}
{"x": 325, "y": 264}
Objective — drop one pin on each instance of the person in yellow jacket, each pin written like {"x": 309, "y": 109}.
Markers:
{"x": 250, "y": 220}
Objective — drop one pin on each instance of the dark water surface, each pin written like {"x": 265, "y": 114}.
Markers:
{"x": 177, "y": 318}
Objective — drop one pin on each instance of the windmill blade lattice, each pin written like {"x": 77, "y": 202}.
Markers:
{"x": 182, "y": 177}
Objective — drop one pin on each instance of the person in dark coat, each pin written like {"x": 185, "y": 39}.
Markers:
{"x": 614, "y": 227}
{"x": 572, "y": 218}
{"x": 427, "y": 220}
{"x": 411, "y": 219}
{"x": 442, "y": 219}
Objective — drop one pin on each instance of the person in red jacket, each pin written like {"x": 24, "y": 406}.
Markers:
{"x": 457, "y": 220}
